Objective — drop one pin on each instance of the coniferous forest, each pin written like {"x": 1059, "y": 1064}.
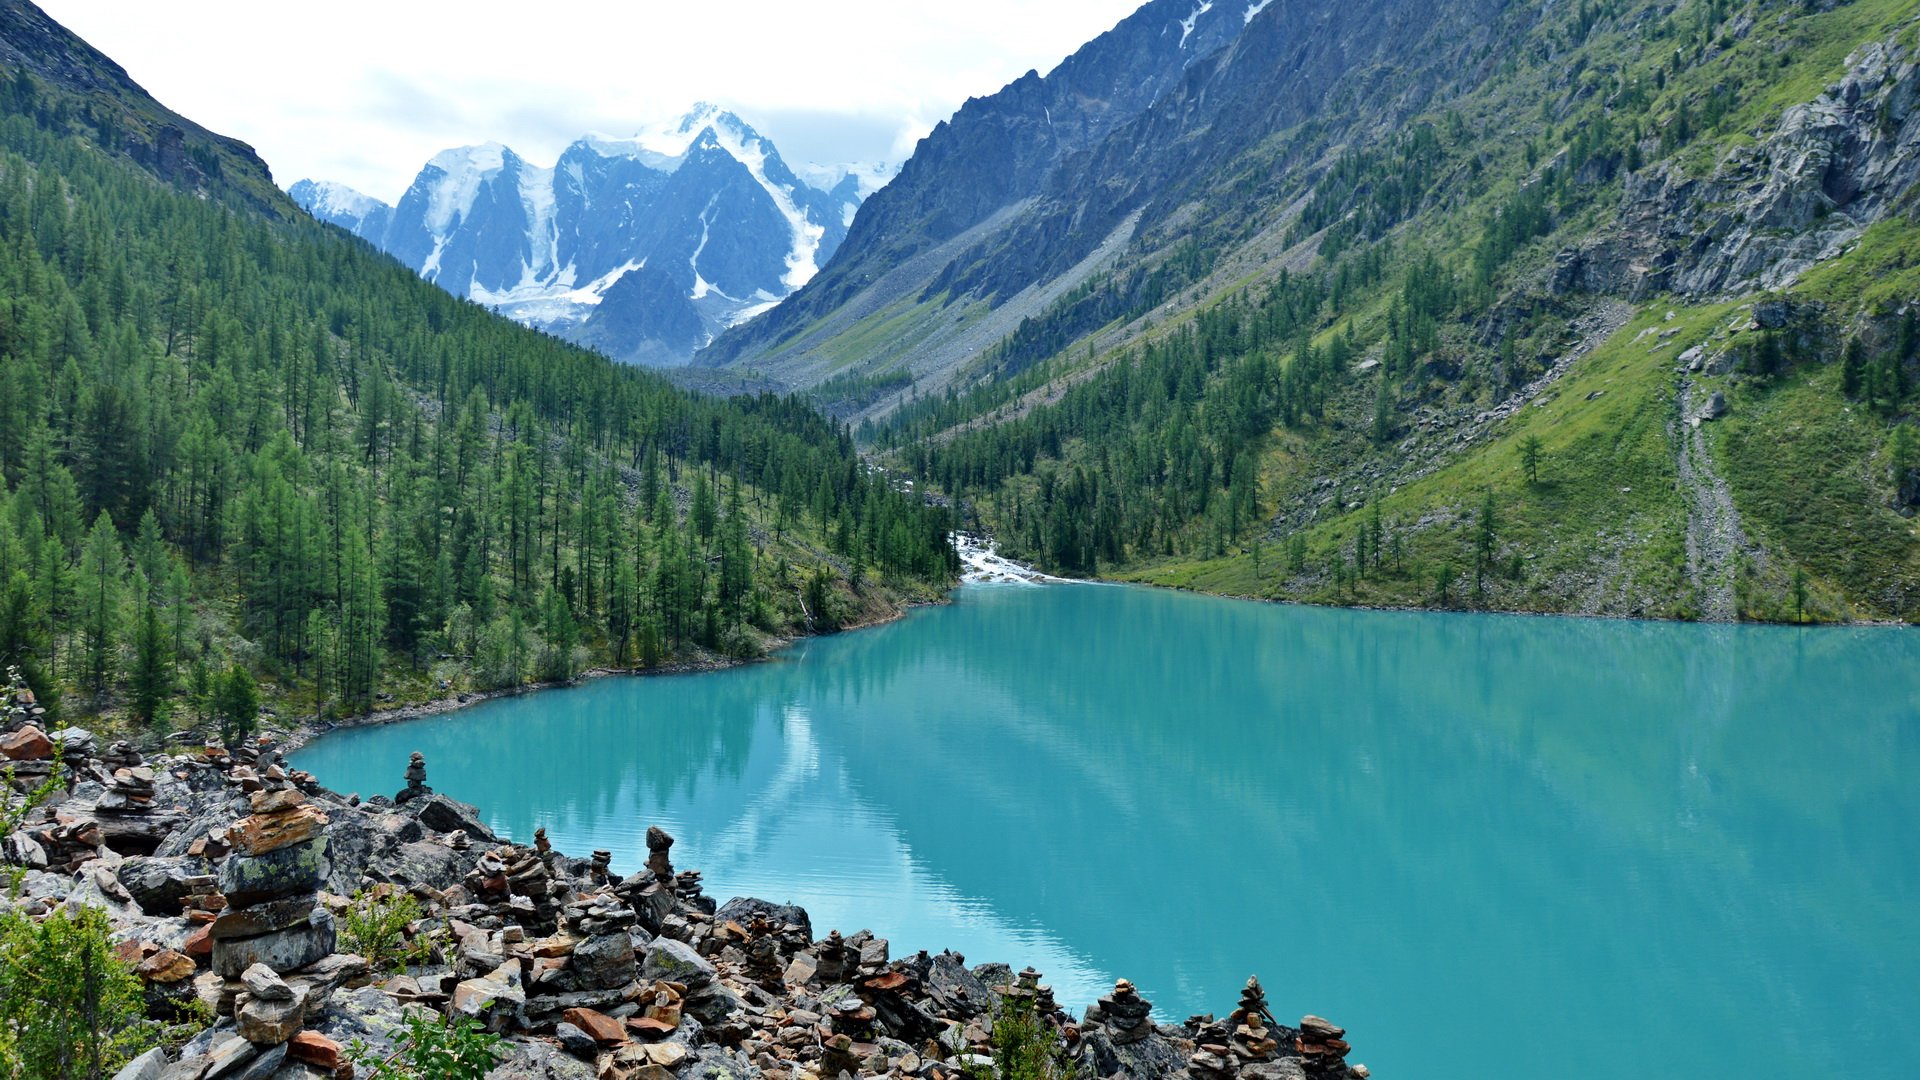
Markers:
{"x": 238, "y": 447}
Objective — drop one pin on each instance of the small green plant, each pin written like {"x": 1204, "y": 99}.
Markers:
{"x": 432, "y": 1048}
{"x": 69, "y": 1009}
{"x": 377, "y": 929}
{"x": 1024, "y": 1047}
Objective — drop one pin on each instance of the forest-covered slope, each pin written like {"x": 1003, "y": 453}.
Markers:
{"x": 1602, "y": 307}
{"x": 233, "y": 440}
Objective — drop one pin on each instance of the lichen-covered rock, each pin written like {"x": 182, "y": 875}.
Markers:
{"x": 250, "y": 879}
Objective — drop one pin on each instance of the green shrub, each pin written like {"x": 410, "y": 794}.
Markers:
{"x": 376, "y": 929}
{"x": 432, "y": 1048}
{"x": 69, "y": 1009}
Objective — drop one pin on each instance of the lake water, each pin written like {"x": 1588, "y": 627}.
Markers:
{"x": 1486, "y": 845}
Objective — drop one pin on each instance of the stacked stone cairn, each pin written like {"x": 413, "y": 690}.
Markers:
{"x": 274, "y": 923}
{"x": 1251, "y": 1041}
{"x": 1127, "y": 1016}
{"x": 416, "y": 780}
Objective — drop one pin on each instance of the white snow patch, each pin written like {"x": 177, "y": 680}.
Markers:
{"x": 467, "y": 167}
{"x": 334, "y": 199}
{"x": 1256, "y": 8}
{"x": 1187, "y": 24}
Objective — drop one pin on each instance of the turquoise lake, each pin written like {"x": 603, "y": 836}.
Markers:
{"x": 1486, "y": 845}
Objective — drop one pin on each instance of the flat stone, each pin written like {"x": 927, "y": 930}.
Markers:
{"x": 227, "y": 1058}
{"x": 199, "y": 943}
{"x": 147, "y": 1066}
{"x": 266, "y": 1066}
{"x": 649, "y": 1027}
{"x": 259, "y": 834}
{"x": 265, "y": 918}
{"x": 602, "y": 1028}
{"x": 1320, "y": 1030}
{"x": 167, "y": 968}
{"x": 267, "y": 802}
{"x": 666, "y": 1054}
{"x": 247, "y": 880}
{"x": 282, "y": 950}
{"x": 315, "y": 1049}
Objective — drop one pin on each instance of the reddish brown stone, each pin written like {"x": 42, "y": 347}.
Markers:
{"x": 649, "y": 1028}
{"x": 27, "y": 744}
{"x": 200, "y": 942}
{"x": 316, "y": 1050}
{"x": 167, "y": 967}
{"x": 258, "y": 834}
{"x": 892, "y": 980}
{"x": 602, "y": 1028}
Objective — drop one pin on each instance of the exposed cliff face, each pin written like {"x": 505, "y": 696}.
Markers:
{"x": 993, "y": 154}
{"x": 1831, "y": 168}
{"x": 125, "y": 119}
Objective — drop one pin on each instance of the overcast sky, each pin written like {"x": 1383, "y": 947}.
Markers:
{"x": 364, "y": 91}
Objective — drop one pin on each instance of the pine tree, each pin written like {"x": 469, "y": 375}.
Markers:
{"x": 150, "y": 683}
{"x": 102, "y": 576}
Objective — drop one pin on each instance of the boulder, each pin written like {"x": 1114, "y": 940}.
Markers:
{"x": 605, "y": 961}
{"x": 676, "y": 962}
{"x": 265, "y": 1067}
{"x": 744, "y": 910}
{"x": 499, "y": 997}
{"x": 251, "y": 879}
{"x": 270, "y": 1023}
{"x": 444, "y": 815}
{"x": 160, "y": 884}
{"x": 27, "y": 744}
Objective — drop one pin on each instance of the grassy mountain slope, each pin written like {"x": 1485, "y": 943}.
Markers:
{"x": 1331, "y": 353}
{"x": 235, "y": 443}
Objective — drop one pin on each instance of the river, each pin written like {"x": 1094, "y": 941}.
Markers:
{"x": 1487, "y": 845}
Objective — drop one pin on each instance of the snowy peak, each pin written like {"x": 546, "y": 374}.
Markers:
{"x": 335, "y": 202}
{"x": 699, "y": 214}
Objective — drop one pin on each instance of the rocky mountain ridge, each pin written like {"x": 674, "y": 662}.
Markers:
{"x": 643, "y": 247}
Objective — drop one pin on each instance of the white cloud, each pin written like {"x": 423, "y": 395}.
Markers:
{"x": 364, "y": 91}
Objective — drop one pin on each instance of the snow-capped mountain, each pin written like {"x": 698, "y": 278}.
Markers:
{"x": 644, "y": 247}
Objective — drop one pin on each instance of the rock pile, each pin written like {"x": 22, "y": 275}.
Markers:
{"x": 589, "y": 975}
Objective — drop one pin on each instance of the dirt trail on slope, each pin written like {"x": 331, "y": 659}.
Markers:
{"x": 1714, "y": 536}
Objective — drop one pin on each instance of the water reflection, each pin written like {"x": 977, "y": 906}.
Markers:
{"x": 1503, "y": 833}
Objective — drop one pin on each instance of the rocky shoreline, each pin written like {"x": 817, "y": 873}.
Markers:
{"x": 228, "y": 878}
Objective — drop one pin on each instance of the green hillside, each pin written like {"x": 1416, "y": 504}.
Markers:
{"x": 1462, "y": 360}
{"x": 236, "y": 443}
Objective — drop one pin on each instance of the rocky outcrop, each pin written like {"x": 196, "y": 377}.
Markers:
{"x": 1770, "y": 210}
{"x": 587, "y": 973}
